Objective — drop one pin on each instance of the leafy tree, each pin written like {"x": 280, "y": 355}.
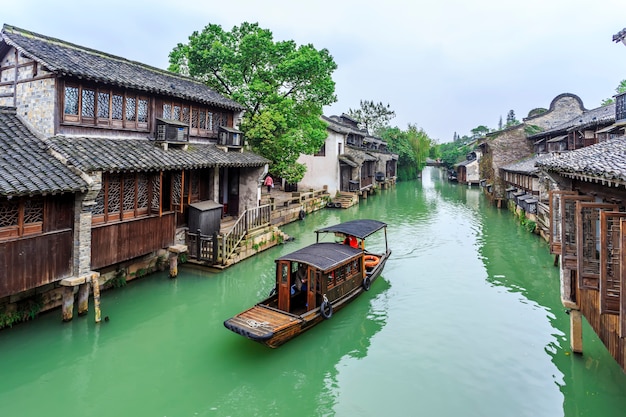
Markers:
{"x": 413, "y": 147}
{"x": 373, "y": 117}
{"x": 283, "y": 88}
{"x": 500, "y": 124}
{"x": 510, "y": 119}
{"x": 480, "y": 131}
{"x": 621, "y": 88}
{"x": 452, "y": 153}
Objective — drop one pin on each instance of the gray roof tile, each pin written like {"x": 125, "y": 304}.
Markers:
{"x": 67, "y": 59}
{"x": 25, "y": 166}
{"x": 112, "y": 155}
{"x": 605, "y": 161}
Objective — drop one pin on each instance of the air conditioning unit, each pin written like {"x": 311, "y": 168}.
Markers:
{"x": 171, "y": 131}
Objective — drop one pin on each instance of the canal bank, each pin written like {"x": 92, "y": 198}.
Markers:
{"x": 484, "y": 335}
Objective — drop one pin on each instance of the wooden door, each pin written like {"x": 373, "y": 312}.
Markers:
{"x": 568, "y": 229}
{"x": 588, "y": 242}
{"x": 555, "y": 219}
{"x": 282, "y": 279}
{"x": 312, "y": 288}
{"x": 610, "y": 257}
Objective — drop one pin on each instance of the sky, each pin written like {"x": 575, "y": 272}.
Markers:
{"x": 445, "y": 66}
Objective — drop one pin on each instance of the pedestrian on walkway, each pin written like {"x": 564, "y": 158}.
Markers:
{"x": 269, "y": 182}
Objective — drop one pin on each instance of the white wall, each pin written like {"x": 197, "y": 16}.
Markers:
{"x": 323, "y": 170}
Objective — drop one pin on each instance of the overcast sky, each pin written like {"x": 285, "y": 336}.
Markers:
{"x": 444, "y": 65}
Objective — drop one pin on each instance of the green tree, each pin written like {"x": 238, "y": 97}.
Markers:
{"x": 479, "y": 131}
{"x": 510, "y": 119}
{"x": 621, "y": 88}
{"x": 283, "y": 88}
{"x": 373, "y": 117}
{"x": 413, "y": 147}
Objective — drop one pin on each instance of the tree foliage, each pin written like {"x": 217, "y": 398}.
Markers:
{"x": 510, "y": 119}
{"x": 413, "y": 147}
{"x": 621, "y": 88}
{"x": 283, "y": 88}
{"x": 479, "y": 131}
{"x": 373, "y": 117}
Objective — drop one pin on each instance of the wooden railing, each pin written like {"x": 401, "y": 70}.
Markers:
{"x": 218, "y": 248}
{"x": 251, "y": 219}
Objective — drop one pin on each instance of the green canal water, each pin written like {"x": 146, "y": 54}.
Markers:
{"x": 466, "y": 321}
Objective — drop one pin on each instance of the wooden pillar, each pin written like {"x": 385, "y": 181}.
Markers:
{"x": 576, "y": 331}
{"x": 95, "y": 285}
{"x": 68, "y": 303}
{"x": 83, "y": 299}
{"x": 173, "y": 265}
{"x": 173, "y": 258}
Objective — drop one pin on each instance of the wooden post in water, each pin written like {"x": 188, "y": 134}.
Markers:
{"x": 174, "y": 253}
{"x": 95, "y": 286}
{"x": 174, "y": 264}
{"x": 68, "y": 303}
{"x": 83, "y": 299}
{"x": 576, "y": 331}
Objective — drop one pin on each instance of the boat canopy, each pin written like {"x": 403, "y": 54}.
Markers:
{"x": 323, "y": 256}
{"x": 357, "y": 228}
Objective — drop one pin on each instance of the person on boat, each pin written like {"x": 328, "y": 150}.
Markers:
{"x": 351, "y": 240}
{"x": 300, "y": 281}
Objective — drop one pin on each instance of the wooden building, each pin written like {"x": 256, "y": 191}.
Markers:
{"x": 509, "y": 145}
{"x": 349, "y": 161}
{"x": 142, "y": 144}
{"x": 37, "y": 197}
{"x": 588, "y": 235}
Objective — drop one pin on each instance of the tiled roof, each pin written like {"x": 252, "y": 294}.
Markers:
{"x": 335, "y": 124}
{"x": 603, "y": 161}
{"x": 112, "y": 155}
{"x": 596, "y": 117}
{"x": 526, "y": 165}
{"x": 25, "y": 166}
{"x": 66, "y": 59}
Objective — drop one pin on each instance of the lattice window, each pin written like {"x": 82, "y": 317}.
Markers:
{"x": 194, "y": 118}
{"x": 142, "y": 191}
{"x": 185, "y": 118}
{"x": 21, "y": 217}
{"x": 71, "y": 100}
{"x": 177, "y": 181}
{"x": 9, "y": 213}
{"x": 142, "y": 110}
{"x": 113, "y": 194}
{"x": 131, "y": 108}
{"x": 589, "y": 243}
{"x": 117, "y": 106}
{"x": 103, "y": 105}
{"x": 610, "y": 259}
{"x": 176, "y": 113}
{"x": 167, "y": 111}
{"x": 129, "y": 192}
{"x": 98, "y": 208}
{"x": 88, "y": 102}
{"x": 33, "y": 210}
{"x": 156, "y": 193}
{"x": 134, "y": 194}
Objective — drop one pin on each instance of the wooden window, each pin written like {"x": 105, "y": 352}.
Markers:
{"x": 555, "y": 219}
{"x": 588, "y": 241}
{"x": 610, "y": 257}
{"x": 127, "y": 196}
{"x": 21, "y": 217}
{"x": 201, "y": 121}
{"x": 104, "y": 107}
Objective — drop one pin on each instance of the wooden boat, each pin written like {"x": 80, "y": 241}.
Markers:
{"x": 314, "y": 282}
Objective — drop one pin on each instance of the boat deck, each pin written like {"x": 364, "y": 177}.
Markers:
{"x": 261, "y": 322}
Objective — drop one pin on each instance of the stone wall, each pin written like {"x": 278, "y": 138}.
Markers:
{"x": 36, "y": 92}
